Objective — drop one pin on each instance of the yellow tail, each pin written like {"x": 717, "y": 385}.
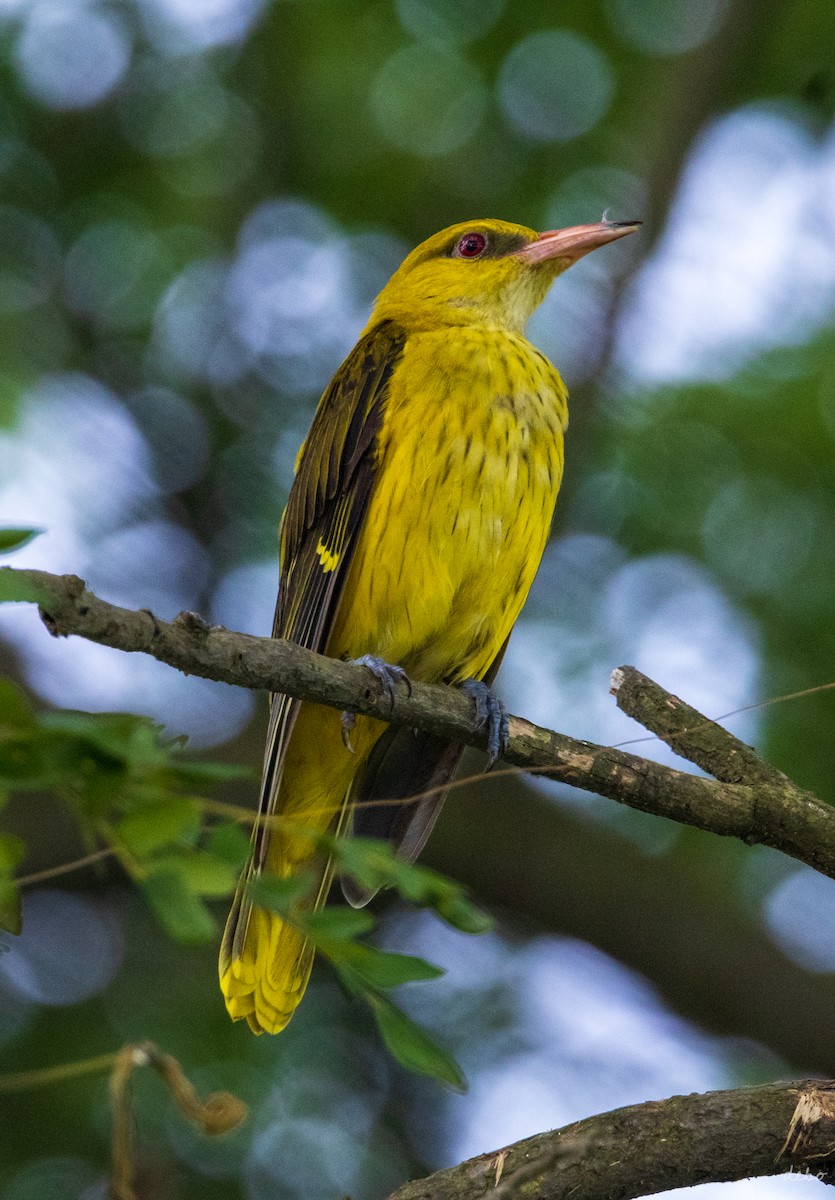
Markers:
{"x": 268, "y": 979}
{"x": 265, "y": 961}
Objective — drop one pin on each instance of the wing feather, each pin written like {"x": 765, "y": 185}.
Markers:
{"x": 335, "y": 474}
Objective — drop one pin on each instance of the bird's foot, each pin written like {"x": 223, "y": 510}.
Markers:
{"x": 489, "y": 711}
{"x": 387, "y": 674}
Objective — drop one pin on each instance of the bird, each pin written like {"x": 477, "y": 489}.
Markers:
{"x": 420, "y": 508}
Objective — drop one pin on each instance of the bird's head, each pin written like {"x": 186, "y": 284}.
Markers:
{"x": 485, "y": 272}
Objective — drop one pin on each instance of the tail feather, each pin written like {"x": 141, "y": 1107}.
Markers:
{"x": 267, "y": 982}
{"x": 404, "y": 764}
{"x": 265, "y": 960}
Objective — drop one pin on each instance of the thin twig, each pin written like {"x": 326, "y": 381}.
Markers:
{"x": 22, "y": 1081}
{"x": 65, "y": 868}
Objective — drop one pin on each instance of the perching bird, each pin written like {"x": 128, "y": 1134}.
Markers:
{"x": 420, "y": 509}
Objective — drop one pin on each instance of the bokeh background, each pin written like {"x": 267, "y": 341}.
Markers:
{"x": 199, "y": 200}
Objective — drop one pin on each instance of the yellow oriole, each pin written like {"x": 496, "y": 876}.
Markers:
{"x": 421, "y": 505}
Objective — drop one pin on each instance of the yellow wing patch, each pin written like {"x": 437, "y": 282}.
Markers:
{"x": 327, "y": 558}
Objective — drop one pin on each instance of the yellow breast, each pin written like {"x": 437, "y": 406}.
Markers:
{"x": 469, "y": 464}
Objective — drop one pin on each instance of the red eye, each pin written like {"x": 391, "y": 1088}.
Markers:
{"x": 471, "y": 245}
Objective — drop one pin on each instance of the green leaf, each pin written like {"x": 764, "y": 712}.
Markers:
{"x": 11, "y": 919}
{"x": 338, "y": 924}
{"x": 161, "y": 824}
{"x": 12, "y": 850}
{"x": 374, "y": 864}
{"x": 123, "y": 736}
{"x": 181, "y": 912}
{"x": 27, "y": 761}
{"x": 202, "y": 874}
{"x": 374, "y": 968}
{"x": 15, "y": 710}
{"x": 368, "y": 860}
{"x": 280, "y": 894}
{"x": 199, "y": 773}
{"x": 412, "y": 1047}
{"x": 16, "y": 539}
{"x": 230, "y": 844}
{"x": 17, "y": 585}
{"x": 460, "y": 912}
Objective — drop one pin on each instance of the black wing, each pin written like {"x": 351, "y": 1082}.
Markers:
{"x": 335, "y": 474}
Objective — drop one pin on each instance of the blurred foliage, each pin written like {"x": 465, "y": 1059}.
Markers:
{"x": 198, "y": 203}
{"x": 16, "y": 539}
{"x": 126, "y": 787}
{"x": 130, "y": 791}
{"x": 757, "y": 513}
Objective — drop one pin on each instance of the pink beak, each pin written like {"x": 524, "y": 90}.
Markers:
{"x": 571, "y": 244}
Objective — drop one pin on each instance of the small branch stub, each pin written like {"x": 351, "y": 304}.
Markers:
{"x": 815, "y": 1111}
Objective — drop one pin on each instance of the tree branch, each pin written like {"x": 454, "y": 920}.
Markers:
{"x": 766, "y": 808}
{"x": 691, "y": 735}
{"x": 648, "y": 1148}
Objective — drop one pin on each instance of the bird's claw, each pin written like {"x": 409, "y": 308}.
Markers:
{"x": 349, "y": 720}
{"x": 489, "y": 711}
{"x": 154, "y": 621}
{"x": 386, "y": 673}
